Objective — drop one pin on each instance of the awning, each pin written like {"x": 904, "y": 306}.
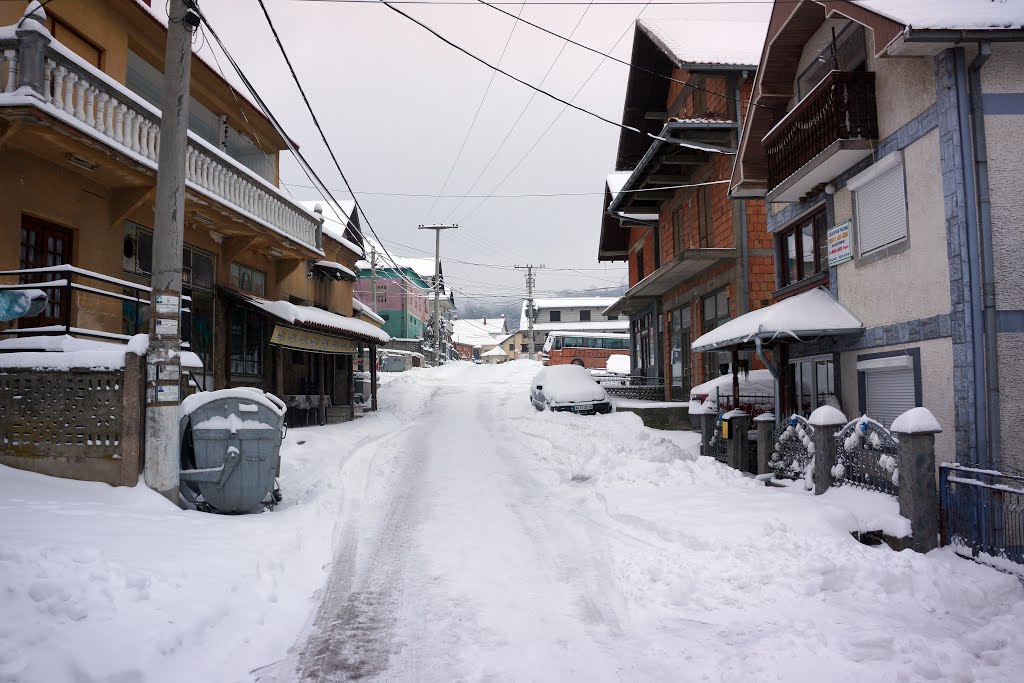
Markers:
{"x": 335, "y": 270}
{"x": 799, "y": 318}
{"x": 315, "y": 319}
{"x": 679, "y": 269}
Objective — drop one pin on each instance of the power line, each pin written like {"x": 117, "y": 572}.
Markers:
{"x": 466, "y": 52}
{"x": 562, "y": 3}
{"x": 522, "y": 195}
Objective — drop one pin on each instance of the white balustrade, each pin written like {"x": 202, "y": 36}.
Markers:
{"x": 113, "y": 113}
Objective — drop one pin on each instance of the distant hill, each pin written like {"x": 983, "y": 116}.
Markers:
{"x": 473, "y": 309}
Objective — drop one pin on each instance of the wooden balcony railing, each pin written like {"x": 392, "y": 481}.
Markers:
{"x": 841, "y": 107}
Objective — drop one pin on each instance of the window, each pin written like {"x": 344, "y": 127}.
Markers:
{"x": 79, "y": 44}
{"x": 524, "y": 348}
{"x": 555, "y": 316}
{"x": 677, "y": 231}
{"x": 45, "y": 244}
{"x": 716, "y": 312}
{"x": 850, "y": 55}
{"x": 246, "y": 342}
{"x": 880, "y": 204}
{"x": 804, "y": 247}
{"x": 246, "y": 279}
{"x": 613, "y": 317}
{"x": 639, "y": 264}
{"x": 585, "y": 316}
{"x": 889, "y": 384}
{"x": 812, "y": 384}
{"x": 382, "y": 297}
{"x": 704, "y": 219}
{"x": 680, "y": 348}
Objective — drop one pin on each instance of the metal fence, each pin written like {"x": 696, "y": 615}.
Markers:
{"x": 638, "y": 387}
{"x": 751, "y": 404}
{"x": 793, "y": 454}
{"x": 867, "y": 455}
{"x": 982, "y": 515}
{"x": 718, "y": 447}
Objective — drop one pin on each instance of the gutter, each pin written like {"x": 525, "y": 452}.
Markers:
{"x": 972, "y": 278}
{"x": 958, "y": 36}
{"x": 988, "y": 291}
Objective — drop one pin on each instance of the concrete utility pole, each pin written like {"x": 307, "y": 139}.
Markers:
{"x": 163, "y": 378}
{"x": 530, "y": 282}
{"x": 373, "y": 277}
{"x": 437, "y": 285}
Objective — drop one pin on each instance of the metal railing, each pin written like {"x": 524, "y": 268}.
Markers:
{"x": 793, "y": 453}
{"x": 86, "y": 98}
{"x": 638, "y": 387}
{"x": 867, "y": 455}
{"x": 982, "y": 515}
{"x": 841, "y": 107}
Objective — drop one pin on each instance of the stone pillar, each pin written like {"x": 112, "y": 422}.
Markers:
{"x": 32, "y": 41}
{"x": 707, "y": 429}
{"x": 738, "y": 443}
{"x": 765, "y": 425}
{"x": 919, "y": 496}
{"x": 826, "y": 421}
{"x": 133, "y": 410}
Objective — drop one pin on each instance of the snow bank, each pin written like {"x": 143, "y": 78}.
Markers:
{"x": 67, "y": 353}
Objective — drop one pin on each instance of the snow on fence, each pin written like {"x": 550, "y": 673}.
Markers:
{"x": 78, "y": 423}
{"x": 639, "y": 387}
{"x": 80, "y": 95}
{"x": 982, "y": 515}
{"x": 867, "y": 455}
{"x": 793, "y": 456}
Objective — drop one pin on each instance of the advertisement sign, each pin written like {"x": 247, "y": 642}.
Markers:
{"x": 840, "y": 244}
{"x": 305, "y": 340}
{"x": 166, "y": 327}
{"x": 167, "y": 304}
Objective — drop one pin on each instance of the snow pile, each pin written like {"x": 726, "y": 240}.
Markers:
{"x": 916, "y": 421}
{"x": 563, "y": 384}
{"x": 826, "y": 416}
{"x": 618, "y": 364}
{"x": 67, "y": 353}
{"x": 192, "y": 403}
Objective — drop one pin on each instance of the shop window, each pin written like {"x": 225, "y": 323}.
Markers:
{"x": 246, "y": 342}
{"x": 812, "y": 384}
{"x": 804, "y": 249}
{"x": 584, "y": 316}
{"x": 246, "y": 279}
{"x": 880, "y": 205}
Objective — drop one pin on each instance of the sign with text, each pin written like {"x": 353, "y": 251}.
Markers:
{"x": 305, "y": 340}
{"x": 840, "y": 244}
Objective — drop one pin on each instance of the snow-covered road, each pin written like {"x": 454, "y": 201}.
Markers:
{"x": 460, "y": 535}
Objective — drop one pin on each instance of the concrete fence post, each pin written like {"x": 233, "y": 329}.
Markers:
{"x": 765, "y": 425}
{"x": 826, "y": 421}
{"x": 707, "y": 430}
{"x": 133, "y": 408}
{"x": 739, "y": 425}
{"x": 919, "y": 496}
{"x": 33, "y": 38}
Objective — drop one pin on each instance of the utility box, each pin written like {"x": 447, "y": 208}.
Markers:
{"x": 231, "y": 450}
{"x": 732, "y": 423}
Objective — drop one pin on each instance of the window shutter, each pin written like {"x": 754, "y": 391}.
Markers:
{"x": 890, "y": 393}
{"x": 881, "y": 211}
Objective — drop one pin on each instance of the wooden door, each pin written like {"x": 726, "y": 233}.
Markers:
{"x": 42, "y": 245}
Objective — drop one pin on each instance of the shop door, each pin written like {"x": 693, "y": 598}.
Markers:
{"x": 42, "y": 245}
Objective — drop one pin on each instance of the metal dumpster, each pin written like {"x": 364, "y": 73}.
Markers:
{"x": 231, "y": 449}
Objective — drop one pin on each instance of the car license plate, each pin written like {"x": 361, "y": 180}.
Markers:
{"x": 581, "y": 409}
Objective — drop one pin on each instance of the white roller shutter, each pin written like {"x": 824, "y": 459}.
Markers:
{"x": 889, "y": 393}
{"x": 881, "y": 210}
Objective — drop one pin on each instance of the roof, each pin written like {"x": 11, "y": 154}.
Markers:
{"x": 616, "y": 181}
{"x": 799, "y": 318}
{"x": 318, "y": 318}
{"x": 495, "y": 352}
{"x": 610, "y": 326}
{"x": 690, "y": 42}
{"x": 949, "y": 14}
{"x": 592, "y": 302}
{"x": 363, "y": 309}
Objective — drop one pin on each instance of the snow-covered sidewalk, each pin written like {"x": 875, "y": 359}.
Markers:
{"x": 461, "y": 535}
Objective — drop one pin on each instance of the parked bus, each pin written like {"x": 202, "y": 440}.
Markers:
{"x": 589, "y": 349}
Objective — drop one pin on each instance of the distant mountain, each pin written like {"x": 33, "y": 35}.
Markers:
{"x": 468, "y": 308}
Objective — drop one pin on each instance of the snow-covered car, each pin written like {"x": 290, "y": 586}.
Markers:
{"x": 568, "y": 388}
{"x": 757, "y": 385}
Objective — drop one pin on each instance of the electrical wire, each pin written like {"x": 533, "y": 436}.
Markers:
{"x": 523, "y": 195}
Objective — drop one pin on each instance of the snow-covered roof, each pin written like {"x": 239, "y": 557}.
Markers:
{"x": 616, "y": 181}
{"x": 801, "y": 317}
{"x": 496, "y": 352}
{"x": 708, "y": 42}
{"x": 594, "y": 303}
{"x": 363, "y": 309}
{"x": 317, "y": 317}
{"x": 481, "y": 332}
{"x": 334, "y": 265}
{"x": 334, "y": 223}
{"x": 949, "y": 14}
{"x": 609, "y": 326}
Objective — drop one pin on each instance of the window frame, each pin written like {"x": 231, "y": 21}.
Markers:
{"x": 254, "y": 271}
{"x": 819, "y": 237}
{"x": 585, "y": 316}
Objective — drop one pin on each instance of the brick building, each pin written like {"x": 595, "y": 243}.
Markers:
{"x": 696, "y": 257}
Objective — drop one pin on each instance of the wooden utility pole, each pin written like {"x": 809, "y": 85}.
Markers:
{"x": 530, "y": 282}
{"x": 437, "y": 286}
{"x": 163, "y": 378}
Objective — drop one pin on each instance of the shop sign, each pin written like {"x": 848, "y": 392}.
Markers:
{"x": 305, "y": 340}
{"x": 840, "y": 244}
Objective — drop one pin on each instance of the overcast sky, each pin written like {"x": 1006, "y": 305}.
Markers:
{"x": 396, "y": 104}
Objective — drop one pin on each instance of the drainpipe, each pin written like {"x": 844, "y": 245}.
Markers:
{"x": 774, "y": 370}
{"x": 972, "y": 278}
{"x": 988, "y": 289}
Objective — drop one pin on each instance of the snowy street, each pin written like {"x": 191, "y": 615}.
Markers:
{"x": 461, "y": 535}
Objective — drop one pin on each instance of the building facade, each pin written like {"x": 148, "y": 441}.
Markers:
{"x": 885, "y": 143}
{"x": 584, "y": 314}
{"x": 696, "y": 257}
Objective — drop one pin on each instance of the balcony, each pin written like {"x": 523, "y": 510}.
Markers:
{"x": 828, "y": 131}
{"x": 39, "y": 74}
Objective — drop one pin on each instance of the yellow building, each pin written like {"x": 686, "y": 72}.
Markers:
{"x": 271, "y": 289}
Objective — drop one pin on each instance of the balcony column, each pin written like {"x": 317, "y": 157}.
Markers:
{"x": 32, "y": 41}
